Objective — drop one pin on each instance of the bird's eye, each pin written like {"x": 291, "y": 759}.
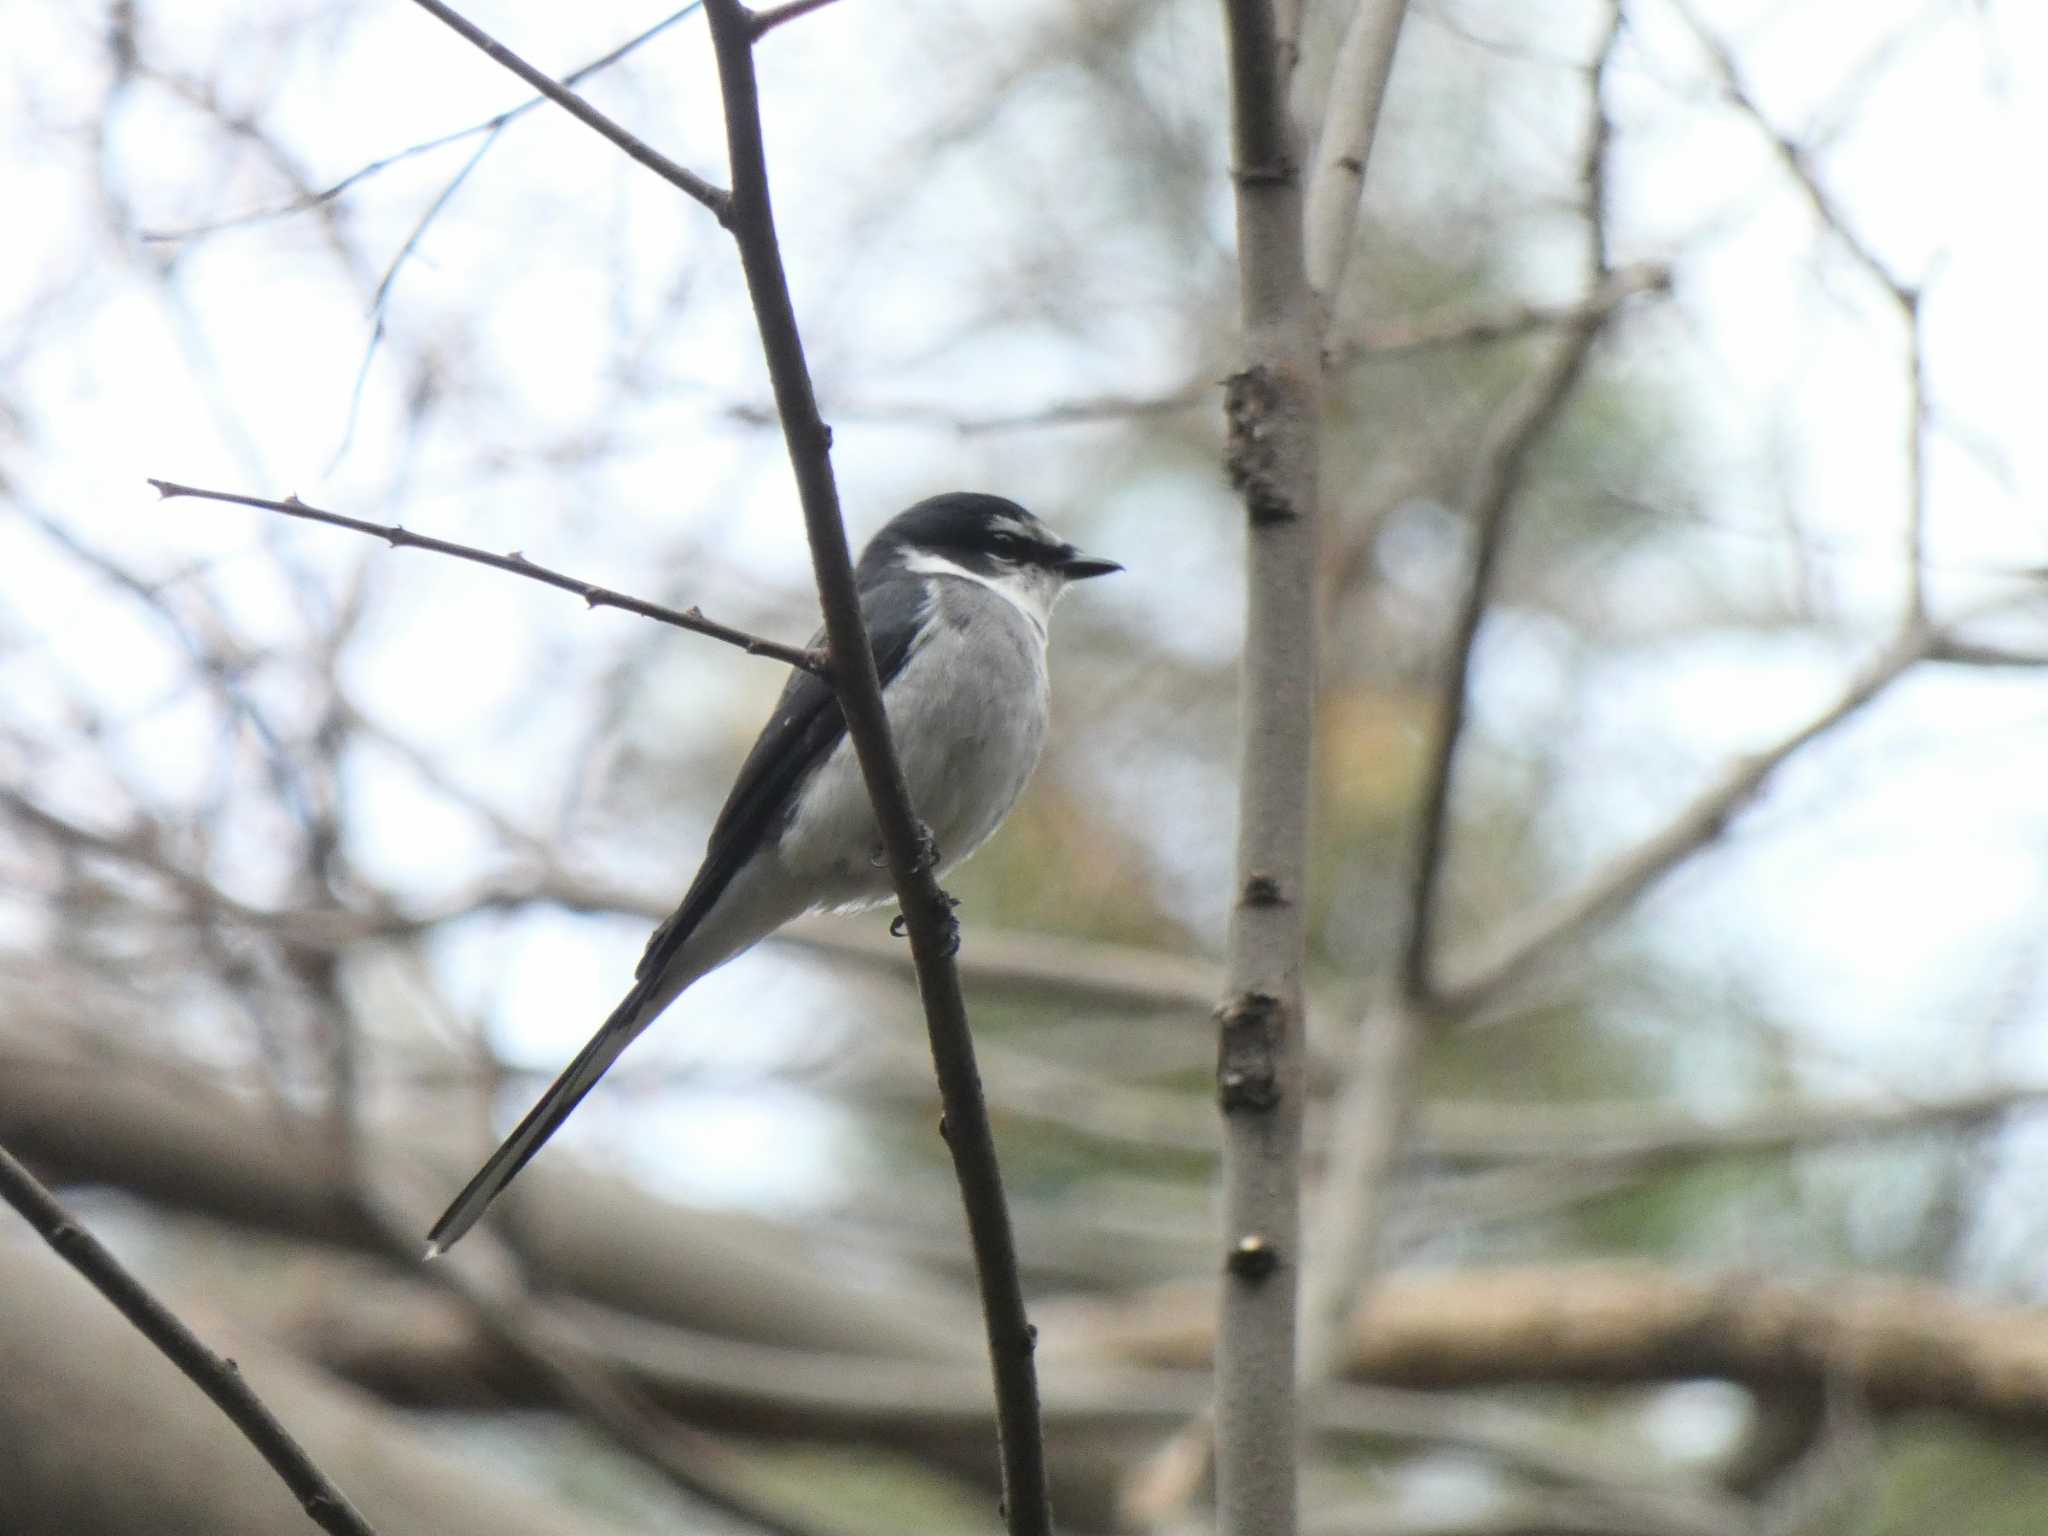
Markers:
{"x": 1007, "y": 545}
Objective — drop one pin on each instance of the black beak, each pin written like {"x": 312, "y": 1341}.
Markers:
{"x": 1076, "y": 566}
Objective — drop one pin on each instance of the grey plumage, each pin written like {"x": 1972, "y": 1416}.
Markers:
{"x": 957, "y": 592}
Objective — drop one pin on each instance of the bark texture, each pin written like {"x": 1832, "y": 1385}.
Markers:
{"x": 1272, "y": 410}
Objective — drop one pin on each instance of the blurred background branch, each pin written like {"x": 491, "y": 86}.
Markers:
{"x": 1699, "y": 1191}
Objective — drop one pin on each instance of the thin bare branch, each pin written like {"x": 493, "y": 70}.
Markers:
{"x": 1372, "y": 1107}
{"x": 687, "y": 181}
{"x": 927, "y": 910}
{"x": 1369, "y": 1118}
{"x": 1496, "y": 483}
{"x": 781, "y": 15}
{"x": 491, "y": 125}
{"x": 380, "y": 298}
{"x": 1905, "y": 298}
{"x": 325, "y": 1505}
{"x": 518, "y": 565}
{"x": 1540, "y": 933}
{"x": 1336, "y": 177}
{"x": 1462, "y": 326}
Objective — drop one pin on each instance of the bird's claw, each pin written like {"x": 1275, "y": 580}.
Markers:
{"x": 927, "y": 852}
{"x": 899, "y": 925}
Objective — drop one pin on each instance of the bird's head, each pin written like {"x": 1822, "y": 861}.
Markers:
{"x": 985, "y": 539}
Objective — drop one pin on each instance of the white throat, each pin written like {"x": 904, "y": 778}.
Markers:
{"x": 1030, "y": 589}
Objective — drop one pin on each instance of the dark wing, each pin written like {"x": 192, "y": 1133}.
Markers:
{"x": 801, "y": 734}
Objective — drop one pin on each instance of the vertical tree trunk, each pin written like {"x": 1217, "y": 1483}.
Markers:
{"x": 1272, "y": 409}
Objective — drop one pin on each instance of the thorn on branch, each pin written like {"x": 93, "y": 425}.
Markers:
{"x": 517, "y": 564}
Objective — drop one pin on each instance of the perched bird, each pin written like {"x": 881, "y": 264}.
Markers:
{"x": 956, "y": 592}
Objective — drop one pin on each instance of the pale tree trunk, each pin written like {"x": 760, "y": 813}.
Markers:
{"x": 1272, "y": 406}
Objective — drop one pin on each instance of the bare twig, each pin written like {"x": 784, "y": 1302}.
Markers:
{"x": 1373, "y": 1105}
{"x": 1463, "y": 326}
{"x": 492, "y": 130}
{"x": 927, "y": 910}
{"x": 518, "y": 565}
{"x": 1336, "y": 178}
{"x": 1496, "y": 483}
{"x": 1651, "y": 1136}
{"x": 325, "y": 1505}
{"x": 1369, "y": 1117}
{"x": 1625, "y": 877}
{"x": 717, "y": 199}
{"x": 315, "y": 198}
{"x": 1272, "y": 408}
{"x": 1905, "y": 298}
{"x": 380, "y": 298}
{"x": 780, "y": 15}
{"x": 1516, "y": 429}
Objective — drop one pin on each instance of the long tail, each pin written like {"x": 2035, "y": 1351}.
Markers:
{"x": 545, "y": 1118}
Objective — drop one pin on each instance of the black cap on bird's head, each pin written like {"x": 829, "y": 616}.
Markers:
{"x": 988, "y": 535}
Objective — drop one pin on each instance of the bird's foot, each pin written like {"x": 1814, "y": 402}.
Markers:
{"x": 927, "y": 850}
{"x": 899, "y": 925}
